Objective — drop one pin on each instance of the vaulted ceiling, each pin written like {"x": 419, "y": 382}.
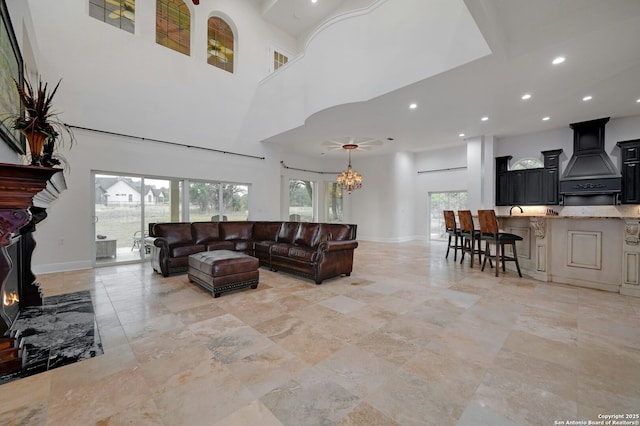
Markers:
{"x": 599, "y": 40}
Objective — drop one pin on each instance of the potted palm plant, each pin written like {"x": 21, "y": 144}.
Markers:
{"x": 39, "y": 123}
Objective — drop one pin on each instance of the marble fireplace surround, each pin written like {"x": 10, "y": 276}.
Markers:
{"x": 60, "y": 332}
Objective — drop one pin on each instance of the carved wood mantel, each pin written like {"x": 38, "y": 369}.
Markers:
{"x": 18, "y": 185}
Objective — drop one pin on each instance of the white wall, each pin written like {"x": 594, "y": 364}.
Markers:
{"x": 384, "y": 208}
{"x": 437, "y": 179}
{"x": 65, "y": 238}
{"x": 126, "y": 83}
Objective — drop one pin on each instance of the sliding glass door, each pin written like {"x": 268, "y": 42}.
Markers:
{"x": 438, "y": 202}
{"x": 125, "y": 205}
{"x": 123, "y": 208}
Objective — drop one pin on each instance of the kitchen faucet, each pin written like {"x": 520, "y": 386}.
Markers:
{"x": 512, "y": 207}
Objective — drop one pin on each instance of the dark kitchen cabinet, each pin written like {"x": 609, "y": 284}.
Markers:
{"x": 630, "y": 155}
{"x": 550, "y": 194}
{"x": 503, "y": 196}
{"x": 551, "y": 178}
{"x": 528, "y": 186}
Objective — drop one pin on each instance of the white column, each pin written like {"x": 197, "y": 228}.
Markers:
{"x": 488, "y": 173}
{"x": 481, "y": 172}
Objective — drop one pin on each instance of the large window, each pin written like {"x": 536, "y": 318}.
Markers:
{"x": 333, "y": 202}
{"x": 220, "y": 44}
{"x": 218, "y": 201}
{"x": 440, "y": 201}
{"x": 119, "y": 13}
{"x": 301, "y": 204}
{"x": 173, "y": 25}
{"x": 124, "y": 206}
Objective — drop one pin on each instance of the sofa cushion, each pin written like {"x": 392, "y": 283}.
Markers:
{"x": 335, "y": 232}
{"x": 236, "y": 230}
{"x": 174, "y": 233}
{"x": 306, "y": 254}
{"x": 266, "y": 231}
{"x": 204, "y": 231}
{"x": 280, "y": 249}
{"x": 263, "y": 246}
{"x": 180, "y": 250}
{"x": 307, "y": 234}
{"x": 288, "y": 232}
{"x": 219, "y": 245}
{"x": 242, "y": 245}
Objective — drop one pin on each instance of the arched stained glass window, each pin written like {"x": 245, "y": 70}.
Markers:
{"x": 119, "y": 13}
{"x": 220, "y": 45}
{"x": 173, "y": 25}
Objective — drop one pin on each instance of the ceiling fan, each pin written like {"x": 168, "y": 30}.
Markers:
{"x": 362, "y": 143}
{"x": 126, "y": 9}
{"x": 218, "y": 50}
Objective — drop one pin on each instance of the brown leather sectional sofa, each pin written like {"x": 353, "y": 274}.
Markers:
{"x": 313, "y": 250}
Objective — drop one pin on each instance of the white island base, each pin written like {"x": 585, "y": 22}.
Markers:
{"x": 595, "y": 252}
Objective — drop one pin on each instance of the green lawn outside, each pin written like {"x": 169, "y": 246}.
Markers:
{"x": 121, "y": 222}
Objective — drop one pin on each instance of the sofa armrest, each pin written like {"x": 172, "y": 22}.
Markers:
{"x": 159, "y": 255}
{"x": 337, "y": 245}
{"x": 159, "y": 242}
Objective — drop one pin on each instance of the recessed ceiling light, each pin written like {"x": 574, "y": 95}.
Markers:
{"x": 484, "y": 118}
{"x": 314, "y": 1}
{"x": 638, "y": 101}
{"x": 546, "y": 118}
{"x": 461, "y": 135}
{"x": 413, "y": 106}
{"x": 558, "y": 60}
{"x": 526, "y": 96}
{"x": 587, "y": 98}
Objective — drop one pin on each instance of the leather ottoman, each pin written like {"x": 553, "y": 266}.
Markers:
{"x": 221, "y": 271}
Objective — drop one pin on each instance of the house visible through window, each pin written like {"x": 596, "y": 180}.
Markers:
{"x": 220, "y": 44}
{"x": 119, "y": 13}
{"x": 279, "y": 60}
{"x": 173, "y": 25}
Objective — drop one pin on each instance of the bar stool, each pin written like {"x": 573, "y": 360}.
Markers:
{"x": 470, "y": 236}
{"x": 492, "y": 235}
{"x": 454, "y": 232}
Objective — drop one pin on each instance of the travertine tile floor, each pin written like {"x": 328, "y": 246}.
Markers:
{"x": 409, "y": 339}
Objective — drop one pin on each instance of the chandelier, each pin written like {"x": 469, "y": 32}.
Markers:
{"x": 350, "y": 179}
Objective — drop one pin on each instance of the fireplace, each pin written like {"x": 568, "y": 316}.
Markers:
{"x": 25, "y": 192}
{"x": 10, "y": 306}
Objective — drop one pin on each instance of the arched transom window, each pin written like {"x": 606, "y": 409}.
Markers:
{"x": 220, "y": 44}
{"x": 119, "y": 13}
{"x": 527, "y": 163}
{"x": 173, "y": 25}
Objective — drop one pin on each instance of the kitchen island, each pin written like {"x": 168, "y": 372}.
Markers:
{"x": 600, "y": 252}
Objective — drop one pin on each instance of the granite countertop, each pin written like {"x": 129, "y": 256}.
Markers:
{"x": 542, "y": 216}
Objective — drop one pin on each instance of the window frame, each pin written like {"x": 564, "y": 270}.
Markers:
{"x": 181, "y": 31}
{"x": 229, "y": 23}
{"x": 270, "y": 62}
{"x": 92, "y": 5}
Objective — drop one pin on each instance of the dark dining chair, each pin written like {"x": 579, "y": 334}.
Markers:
{"x": 492, "y": 236}
{"x": 470, "y": 237}
{"x": 454, "y": 233}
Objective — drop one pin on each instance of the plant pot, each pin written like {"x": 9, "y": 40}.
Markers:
{"x": 36, "y": 142}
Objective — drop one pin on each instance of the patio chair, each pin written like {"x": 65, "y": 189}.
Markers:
{"x": 139, "y": 238}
